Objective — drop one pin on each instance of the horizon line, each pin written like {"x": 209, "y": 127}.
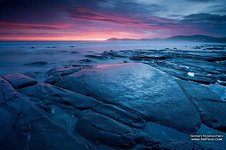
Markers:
{"x": 103, "y": 40}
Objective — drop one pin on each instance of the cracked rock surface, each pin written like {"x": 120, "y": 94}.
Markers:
{"x": 114, "y": 106}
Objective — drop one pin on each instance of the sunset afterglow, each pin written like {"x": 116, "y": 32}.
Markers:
{"x": 103, "y": 19}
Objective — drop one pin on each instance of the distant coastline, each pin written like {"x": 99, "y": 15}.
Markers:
{"x": 191, "y": 38}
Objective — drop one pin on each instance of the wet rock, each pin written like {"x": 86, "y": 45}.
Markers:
{"x": 222, "y": 77}
{"x": 53, "y": 79}
{"x": 7, "y": 117}
{"x": 85, "y": 60}
{"x": 59, "y": 96}
{"x": 96, "y": 56}
{"x": 201, "y": 62}
{"x": 37, "y": 63}
{"x": 147, "y": 91}
{"x": 201, "y": 79}
{"x": 215, "y": 48}
{"x": 64, "y": 51}
{"x": 213, "y": 114}
{"x": 197, "y": 47}
{"x": 7, "y": 92}
{"x": 123, "y": 115}
{"x": 148, "y": 57}
{"x": 64, "y": 71}
{"x": 111, "y": 54}
{"x": 74, "y": 52}
{"x": 55, "y": 75}
{"x": 8, "y": 120}
{"x": 195, "y": 78}
{"x": 63, "y": 118}
{"x": 222, "y": 82}
{"x": 101, "y": 128}
{"x": 104, "y": 116}
{"x": 19, "y": 80}
{"x": 203, "y": 72}
{"x": 24, "y": 127}
{"x": 106, "y": 55}
{"x": 31, "y": 74}
{"x": 209, "y": 105}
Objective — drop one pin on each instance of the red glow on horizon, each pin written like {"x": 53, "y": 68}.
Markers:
{"x": 83, "y": 37}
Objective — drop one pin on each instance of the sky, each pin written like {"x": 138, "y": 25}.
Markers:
{"x": 103, "y": 19}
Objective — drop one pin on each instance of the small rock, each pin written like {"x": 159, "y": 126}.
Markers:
{"x": 37, "y": 63}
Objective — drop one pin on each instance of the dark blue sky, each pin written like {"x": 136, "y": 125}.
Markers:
{"x": 102, "y": 19}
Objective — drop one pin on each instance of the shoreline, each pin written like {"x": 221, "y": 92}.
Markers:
{"x": 118, "y": 99}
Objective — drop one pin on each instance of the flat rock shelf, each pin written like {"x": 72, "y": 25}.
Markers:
{"x": 143, "y": 104}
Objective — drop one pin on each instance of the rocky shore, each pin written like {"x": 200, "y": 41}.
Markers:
{"x": 151, "y": 100}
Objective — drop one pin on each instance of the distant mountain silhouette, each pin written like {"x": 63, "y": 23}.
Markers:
{"x": 198, "y": 38}
{"x": 192, "y": 38}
